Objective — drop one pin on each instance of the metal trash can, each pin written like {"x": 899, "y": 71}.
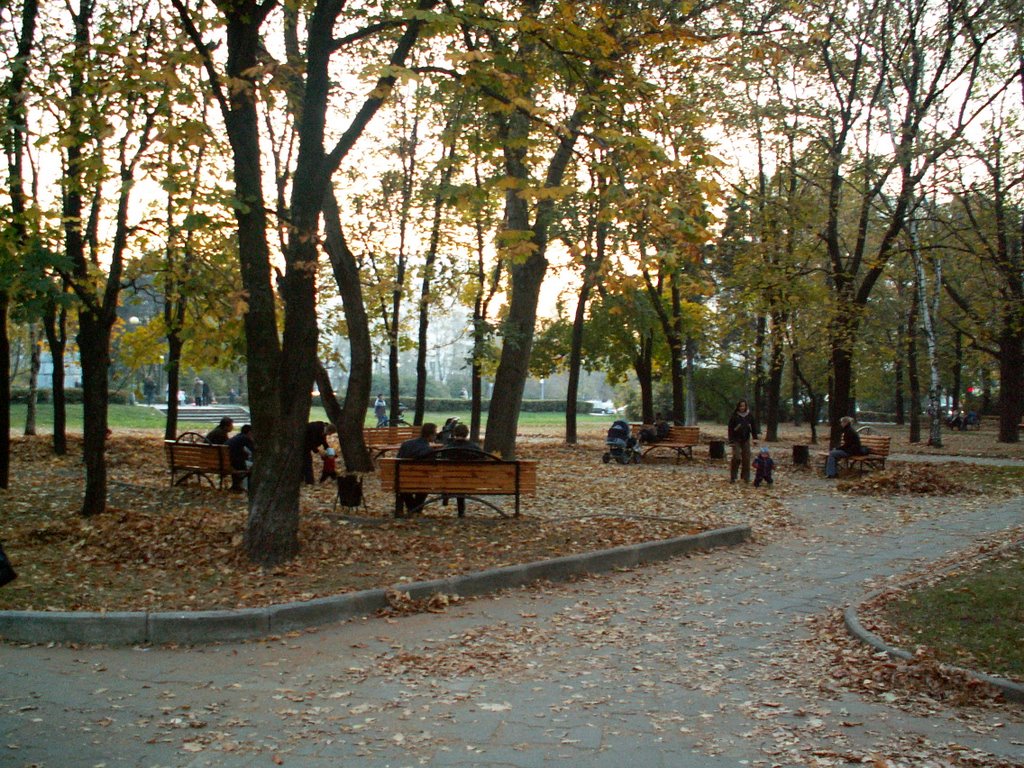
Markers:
{"x": 716, "y": 449}
{"x": 801, "y": 455}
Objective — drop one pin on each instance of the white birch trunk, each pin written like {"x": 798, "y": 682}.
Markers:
{"x": 928, "y": 312}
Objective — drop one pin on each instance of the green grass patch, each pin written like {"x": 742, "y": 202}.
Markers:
{"x": 973, "y": 619}
{"x": 142, "y": 417}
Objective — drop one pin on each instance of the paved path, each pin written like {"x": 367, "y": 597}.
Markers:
{"x": 705, "y": 661}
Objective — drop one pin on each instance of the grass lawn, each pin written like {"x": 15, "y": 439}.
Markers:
{"x": 973, "y": 619}
{"x": 142, "y": 417}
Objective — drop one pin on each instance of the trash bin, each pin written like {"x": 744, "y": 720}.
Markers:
{"x": 801, "y": 456}
{"x": 350, "y": 490}
{"x": 716, "y": 449}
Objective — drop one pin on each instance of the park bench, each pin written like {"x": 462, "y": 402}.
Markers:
{"x": 192, "y": 456}
{"x": 469, "y": 479}
{"x": 679, "y": 439}
{"x": 878, "y": 447}
{"x": 380, "y": 440}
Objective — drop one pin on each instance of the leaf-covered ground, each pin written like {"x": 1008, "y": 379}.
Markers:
{"x": 179, "y": 548}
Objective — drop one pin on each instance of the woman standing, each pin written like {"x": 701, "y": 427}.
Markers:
{"x": 742, "y": 432}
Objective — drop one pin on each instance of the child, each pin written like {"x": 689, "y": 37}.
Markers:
{"x": 763, "y": 466}
{"x": 330, "y": 465}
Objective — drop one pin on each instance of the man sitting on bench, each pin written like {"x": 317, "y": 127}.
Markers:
{"x": 461, "y": 448}
{"x": 421, "y": 447}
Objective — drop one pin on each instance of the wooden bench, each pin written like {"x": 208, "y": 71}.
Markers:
{"x": 878, "y": 445}
{"x": 489, "y": 476}
{"x": 380, "y": 440}
{"x": 679, "y": 439}
{"x": 192, "y": 456}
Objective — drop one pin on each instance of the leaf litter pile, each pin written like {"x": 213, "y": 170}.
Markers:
{"x": 180, "y": 548}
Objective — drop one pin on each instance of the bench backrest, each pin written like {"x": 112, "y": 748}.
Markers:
{"x": 878, "y": 445}
{"x": 197, "y": 456}
{"x": 374, "y": 436}
{"x": 466, "y": 477}
{"x": 683, "y": 435}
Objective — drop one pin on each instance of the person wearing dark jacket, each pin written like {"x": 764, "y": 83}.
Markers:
{"x": 421, "y": 447}
{"x": 742, "y": 433}
{"x": 219, "y": 435}
{"x": 849, "y": 445}
{"x": 241, "y": 450}
{"x": 461, "y": 448}
{"x": 316, "y": 438}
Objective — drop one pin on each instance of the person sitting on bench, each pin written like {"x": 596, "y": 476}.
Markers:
{"x": 849, "y": 445}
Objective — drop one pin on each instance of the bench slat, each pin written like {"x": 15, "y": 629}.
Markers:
{"x": 878, "y": 447}
{"x": 680, "y": 439}
{"x": 387, "y": 436}
{"x": 459, "y": 478}
{"x": 197, "y": 459}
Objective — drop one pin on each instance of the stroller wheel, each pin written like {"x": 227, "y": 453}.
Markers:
{"x": 606, "y": 458}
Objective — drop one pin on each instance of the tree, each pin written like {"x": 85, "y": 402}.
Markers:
{"x": 14, "y": 143}
{"x": 914, "y": 66}
{"x": 281, "y": 369}
{"x": 108, "y": 116}
{"x": 540, "y": 88}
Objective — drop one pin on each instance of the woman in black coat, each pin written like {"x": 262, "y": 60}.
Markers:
{"x": 742, "y": 433}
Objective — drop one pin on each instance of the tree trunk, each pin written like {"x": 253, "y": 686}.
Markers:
{"x": 691, "y": 387}
{"x": 55, "y": 326}
{"x": 929, "y": 315}
{"x": 517, "y": 342}
{"x": 794, "y": 390}
{"x": 94, "y": 346}
{"x": 760, "y": 337}
{"x": 174, "y": 347}
{"x": 327, "y": 396}
{"x": 773, "y": 393}
{"x": 958, "y": 367}
{"x": 913, "y": 379}
{"x": 33, "y": 379}
{"x": 5, "y": 392}
{"x": 643, "y": 366}
{"x": 360, "y": 378}
{"x": 1011, "y": 377}
{"x": 812, "y": 414}
{"x": 842, "y": 379}
{"x": 898, "y": 394}
{"x": 525, "y": 275}
{"x": 15, "y": 133}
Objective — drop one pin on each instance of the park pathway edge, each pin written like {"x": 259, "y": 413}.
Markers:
{"x": 1011, "y": 691}
{"x": 127, "y": 628}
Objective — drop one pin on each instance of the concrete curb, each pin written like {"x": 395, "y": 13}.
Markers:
{"x": 198, "y": 627}
{"x": 1011, "y": 691}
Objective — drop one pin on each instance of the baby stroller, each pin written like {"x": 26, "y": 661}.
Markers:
{"x": 622, "y": 446}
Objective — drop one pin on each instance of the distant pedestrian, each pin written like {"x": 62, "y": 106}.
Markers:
{"x": 763, "y": 466}
{"x": 149, "y": 390}
{"x": 380, "y": 410}
{"x": 207, "y": 394}
{"x": 197, "y": 391}
{"x": 742, "y": 433}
